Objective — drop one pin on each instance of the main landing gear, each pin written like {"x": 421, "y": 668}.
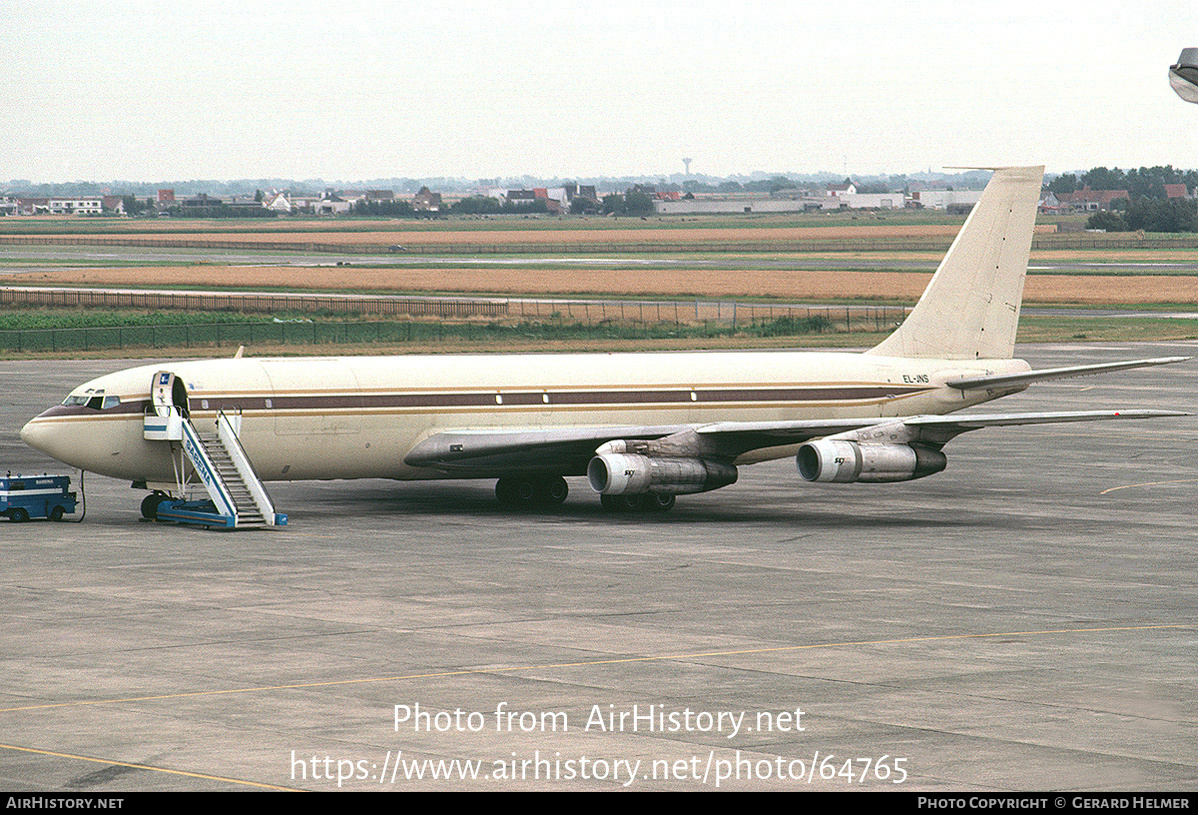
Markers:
{"x": 516, "y": 491}
{"x": 642, "y": 502}
{"x": 550, "y": 491}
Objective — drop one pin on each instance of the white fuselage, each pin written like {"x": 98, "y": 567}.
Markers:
{"x": 357, "y": 417}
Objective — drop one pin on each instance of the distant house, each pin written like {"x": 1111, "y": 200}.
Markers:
{"x": 519, "y": 196}
{"x": 114, "y": 204}
{"x": 332, "y": 204}
{"x": 1049, "y": 204}
{"x": 1176, "y": 191}
{"x": 573, "y": 191}
{"x": 33, "y": 206}
{"x": 426, "y": 201}
{"x": 1089, "y": 200}
{"x": 845, "y": 187}
{"x": 278, "y": 202}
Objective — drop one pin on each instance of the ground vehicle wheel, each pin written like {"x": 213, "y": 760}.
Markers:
{"x": 18, "y": 514}
{"x": 149, "y": 506}
{"x": 57, "y": 513}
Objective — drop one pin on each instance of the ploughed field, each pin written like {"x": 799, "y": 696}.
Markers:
{"x": 790, "y": 285}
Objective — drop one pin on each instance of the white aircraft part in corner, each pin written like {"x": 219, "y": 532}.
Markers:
{"x": 644, "y": 427}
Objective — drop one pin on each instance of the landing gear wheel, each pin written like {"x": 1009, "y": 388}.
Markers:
{"x": 639, "y": 502}
{"x": 149, "y": 506}
{"x": 623, "y": 503}
{"x": 526, "y": 492}
{"x": 553, "y": 491}
{"x": 515, "y": 492}
{"x": 505, "y": 491}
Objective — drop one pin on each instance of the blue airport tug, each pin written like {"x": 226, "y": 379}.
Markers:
{"x": 36, "y": 496}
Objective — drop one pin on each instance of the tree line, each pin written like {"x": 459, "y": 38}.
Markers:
{"x": 1147, "y": 207}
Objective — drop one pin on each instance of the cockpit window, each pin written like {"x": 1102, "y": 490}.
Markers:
{"x": 97, "y": 401}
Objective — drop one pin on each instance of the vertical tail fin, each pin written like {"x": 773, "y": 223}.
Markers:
{"x": 970, "y": 309}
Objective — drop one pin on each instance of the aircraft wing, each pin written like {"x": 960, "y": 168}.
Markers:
{"x": 560, "y": 450}
{"x": 477, "y": 452}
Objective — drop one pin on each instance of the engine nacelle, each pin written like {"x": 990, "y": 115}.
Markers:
{"x": 842, "y": 461}
{"x": 631, "y": 474}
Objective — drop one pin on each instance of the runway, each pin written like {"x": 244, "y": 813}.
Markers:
{"x": 1024, "y": 621}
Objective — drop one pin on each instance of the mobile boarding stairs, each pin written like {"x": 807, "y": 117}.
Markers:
{"x": 237, "y": 499}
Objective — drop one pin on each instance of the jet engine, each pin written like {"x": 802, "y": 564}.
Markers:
{"x": 630, "y": 474}
{"x": 843, "y": 461}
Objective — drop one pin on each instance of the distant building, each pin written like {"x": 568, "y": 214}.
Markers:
{"x": 426, "y": 201}
{"x": 1089, "y": 200}
{"x": 33, "y": 206}
{"x": 76, "y": 206}
{"x": 200, "y": 201}
{"x": 332, "y": 204}
{"x": 278, "y": 203}
{"x": 1050, "y": 204}
{"x": 166, "y": 197}
{"x": 950, "y": 200}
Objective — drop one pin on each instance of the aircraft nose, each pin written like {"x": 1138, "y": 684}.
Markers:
{"x": 47, "y": 436}
{"x": 36, "y": 434}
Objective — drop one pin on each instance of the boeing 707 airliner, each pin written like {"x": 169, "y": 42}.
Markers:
{"x": 643, "y": 427}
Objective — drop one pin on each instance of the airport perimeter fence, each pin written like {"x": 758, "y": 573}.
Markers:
{"x": 678, "y": 312}
{"x": 895, "y": 244}
{"x": 443, "y": 307}
{"x": 747, "y": 319}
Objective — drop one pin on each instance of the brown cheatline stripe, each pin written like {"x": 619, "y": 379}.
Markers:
{"x": 344, "y": 401}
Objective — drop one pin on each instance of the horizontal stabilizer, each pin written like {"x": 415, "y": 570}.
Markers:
{"x": 1027, "y": 377}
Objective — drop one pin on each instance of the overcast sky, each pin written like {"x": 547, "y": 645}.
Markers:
{"x": 178, "y": 90}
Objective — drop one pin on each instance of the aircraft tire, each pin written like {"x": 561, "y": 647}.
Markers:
{"x": 553, "y": 491}
{"x": 660, "y": 501}
{"x": 517, "y": 492}
{"x": 505, "y": 491}
{"x": 526, "y": 492}
{"x": 623, "y": 503}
